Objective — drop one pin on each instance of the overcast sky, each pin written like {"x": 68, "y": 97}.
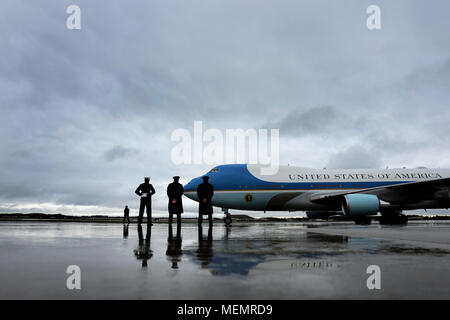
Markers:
{"x": 86, "y": 114}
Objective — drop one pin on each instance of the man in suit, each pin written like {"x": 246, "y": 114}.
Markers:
{"x": 205, "y": 192}
{"x": 145, "y": 191}
{"x": 175, "y": 192}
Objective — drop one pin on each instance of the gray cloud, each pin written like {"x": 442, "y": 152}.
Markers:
{"x": 119, "y": 152}
{"x": 357, "y": 157}
{"x": 322, "y": 121}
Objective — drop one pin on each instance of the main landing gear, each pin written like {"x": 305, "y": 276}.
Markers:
{"x": 387, "y": 217}
{"x": 393, "y": 217}
{"x": 227, "y": 218}
{"x": 363, "y": 220}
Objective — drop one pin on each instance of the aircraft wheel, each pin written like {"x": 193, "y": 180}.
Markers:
{"x": 397, "y": 219}
{"x": 363, "y": 221}
{"x": 228, "y": 220}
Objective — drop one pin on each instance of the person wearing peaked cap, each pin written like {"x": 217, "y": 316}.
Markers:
{"x": 205, "y": 192}
{"x": 175, "y": 192}
{"x": 145, "y": 191}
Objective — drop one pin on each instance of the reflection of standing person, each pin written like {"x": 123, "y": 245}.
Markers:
{"x": 126, "y": 214}
{"x": 205, "y": 250}
{"x": 205, "y": 192}
{"x": 125, "y": 231}
{"x": 174, "y": 251}
{"x": 145, "y": 191}
{"x": 143, "y": 252}
{"x": 175, "y": 192}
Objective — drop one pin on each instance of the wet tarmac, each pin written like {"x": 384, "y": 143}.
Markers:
{"x": 245, "y": 261}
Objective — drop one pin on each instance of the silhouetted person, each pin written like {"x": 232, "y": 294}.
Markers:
{"x": 143, "y": 252}
{"x": 126, "y": 214}
{"x": 174, "y": 251}
{"x": 205, "y": 192}
{"x": 204, "y": 251}
{"x": 145, "y": 191}
{"x": 175, "y": 192}
{"x": 125, "y": 231}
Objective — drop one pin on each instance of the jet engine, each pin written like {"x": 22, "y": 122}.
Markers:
{"x": 360, "y": 204}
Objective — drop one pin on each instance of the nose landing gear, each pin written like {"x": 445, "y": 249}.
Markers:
{"x": 227, "y": 218}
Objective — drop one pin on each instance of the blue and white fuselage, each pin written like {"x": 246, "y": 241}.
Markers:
{"x": 243, "y": 187}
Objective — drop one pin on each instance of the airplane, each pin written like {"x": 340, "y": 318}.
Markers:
{"x": 357, "y": 194}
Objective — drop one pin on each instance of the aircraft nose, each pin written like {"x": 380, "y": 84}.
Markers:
{"x": 189, "y": 195}
{"x": 190, "y": 188}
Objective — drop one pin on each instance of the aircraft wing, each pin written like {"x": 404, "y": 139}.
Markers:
{"x": 393, "y": 193}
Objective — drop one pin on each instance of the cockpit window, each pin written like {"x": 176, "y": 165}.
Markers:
{"x": 214, "y": 170}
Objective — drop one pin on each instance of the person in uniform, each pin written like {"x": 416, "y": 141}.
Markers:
{"x": 205, "y": 192}
{"x": 175, "y": 192}
{"x": 145, "y": 191}
{"x": 126, "y": 214}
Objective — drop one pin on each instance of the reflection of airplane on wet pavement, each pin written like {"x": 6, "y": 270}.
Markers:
{"x": 355, "y": 193}
{"x": 222, "y": 257}
{"x": 226, "y": 255}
